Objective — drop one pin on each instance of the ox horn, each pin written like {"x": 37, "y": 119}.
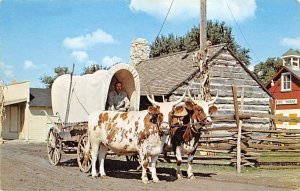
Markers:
{"x": 180, "y": 99}
{"x": 214, "y": 100}
{"x": 152, "y": 101}
{"x": 189, "y": 94}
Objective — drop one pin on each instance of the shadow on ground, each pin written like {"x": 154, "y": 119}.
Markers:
{"x": 128, "y": 170}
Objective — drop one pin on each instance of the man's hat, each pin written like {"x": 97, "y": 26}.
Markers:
{"x": 180, "y": 111}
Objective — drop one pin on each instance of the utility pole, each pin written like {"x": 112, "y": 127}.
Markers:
{"x": 203, "y": 24}
{"x": 204, "y": 92}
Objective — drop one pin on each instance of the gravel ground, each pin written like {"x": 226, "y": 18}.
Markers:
{"x": 25, "y": 166}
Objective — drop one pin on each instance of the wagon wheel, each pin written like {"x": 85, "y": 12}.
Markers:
{"x": 84, "y": 154}
{"x": 134, "y": 160}
{"x": 53, "y": 147}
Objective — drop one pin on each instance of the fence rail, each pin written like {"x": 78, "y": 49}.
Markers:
{"x": 243, "y": 146}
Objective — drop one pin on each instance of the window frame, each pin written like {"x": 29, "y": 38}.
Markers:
{"x": 295, "y": 60}
{"x": 282, "y": 82}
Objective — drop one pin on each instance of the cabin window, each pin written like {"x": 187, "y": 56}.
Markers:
{"x": 287, "y": 61}
{"x": 286, "y": 82}
{"x": 295, "y": 62}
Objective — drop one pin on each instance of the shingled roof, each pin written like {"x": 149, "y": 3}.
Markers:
{"x": 291, "y": 52}
{"x": 40, "y": 97}
{"x": 178, "y": 67}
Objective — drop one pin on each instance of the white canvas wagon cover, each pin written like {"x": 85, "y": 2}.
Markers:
{"x": 89, "y": 92}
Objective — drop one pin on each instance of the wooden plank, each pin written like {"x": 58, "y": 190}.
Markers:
{"x": 216, "y": 140}
{"x": 263, "y": 151}
{"x": 231, "y": 112}
{"x": 213, "y": 151}
{"x": 222, "y": 147}
{"x": 290, "y": 131}
{"x": 216, "y": 135}
{"x": 242, "y": 161}
{"x": 273, "y": 147}
{"x": 220, "y": 129}
{"x": 284, "y": 141}
{"x": 279, "y": 160}
{"x": 227, "y": 69}
{"x": 218, "y": 74}
{"x": 234, "y": 81}
{"x": 201, "y": 157}
{"x": 246, "y": 107}
{"x": 277, "y": 118}
{"x": 221, "y": 163}
{"x": 228, "y": 88}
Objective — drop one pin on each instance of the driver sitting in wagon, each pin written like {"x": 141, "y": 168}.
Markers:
{"x": 117, "y": 99}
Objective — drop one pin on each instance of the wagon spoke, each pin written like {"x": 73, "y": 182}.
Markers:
{"x": 53, "y": 147}
{"x": 83, "y": 154}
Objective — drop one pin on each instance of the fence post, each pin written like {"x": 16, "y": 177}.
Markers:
{"x": 239, "y": 126}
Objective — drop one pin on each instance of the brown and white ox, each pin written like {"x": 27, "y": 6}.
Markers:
{"x": 186, "y": 130}
{"x": 127, "y": 133}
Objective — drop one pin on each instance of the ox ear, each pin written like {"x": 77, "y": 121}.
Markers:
{"x": 180, "y": 111}
{"x": 189, "y": 105}
{"x": 152, "y": 109}
{"x": 212, "y": 109}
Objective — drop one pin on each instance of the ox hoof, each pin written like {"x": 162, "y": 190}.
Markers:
{"x": 192, "y": 177}
{"x": 179, "y": 177}
{"x": 103, "y": 176}
{"x": 145, "y": 181}
{"x": 156, "y": 180}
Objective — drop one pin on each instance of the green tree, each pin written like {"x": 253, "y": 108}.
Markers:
{"x": 48, "y": 80}
{"x": 217, "y": 32}
{"x": 166, "y": 45}
{"x": 265, "y": 71}
{"x": 91, "y": 69}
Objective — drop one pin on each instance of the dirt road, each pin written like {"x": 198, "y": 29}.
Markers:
{"x": 26, "y": 167}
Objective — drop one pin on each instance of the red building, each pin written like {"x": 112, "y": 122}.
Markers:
{"x": 285, "y": 87}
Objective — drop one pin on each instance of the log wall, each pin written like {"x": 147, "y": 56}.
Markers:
{"x": 225, "y": 71}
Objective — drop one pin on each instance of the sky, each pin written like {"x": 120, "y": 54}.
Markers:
{"x": 38, "y": 35}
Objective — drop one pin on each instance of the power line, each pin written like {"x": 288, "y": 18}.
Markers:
{"x": 242, "y": 32}
{"x": 164, "y": 21}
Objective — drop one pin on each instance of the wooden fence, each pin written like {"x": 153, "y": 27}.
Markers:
{"x": 241, "y": 146}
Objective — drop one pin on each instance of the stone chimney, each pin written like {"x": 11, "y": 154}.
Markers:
{"x": 140, "y": 51}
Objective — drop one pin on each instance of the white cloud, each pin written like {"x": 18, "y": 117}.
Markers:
{"x": 88, "y": 40}
{"x": 184, "y": 10}
{"x": 29, "y": 65}
{"x": 109, "y": 61}
{"x": 80, "y": 56}
{"x": 291, "y": 42}
{"x": 298, "y": 1}
{"x": 7, "y": 70}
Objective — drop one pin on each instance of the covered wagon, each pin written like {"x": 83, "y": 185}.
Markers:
{"x": 75, "y": 97}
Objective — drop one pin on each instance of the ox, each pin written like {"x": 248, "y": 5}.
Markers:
{"x": 134, "y": 132}
{"x": 186, "y": 122}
